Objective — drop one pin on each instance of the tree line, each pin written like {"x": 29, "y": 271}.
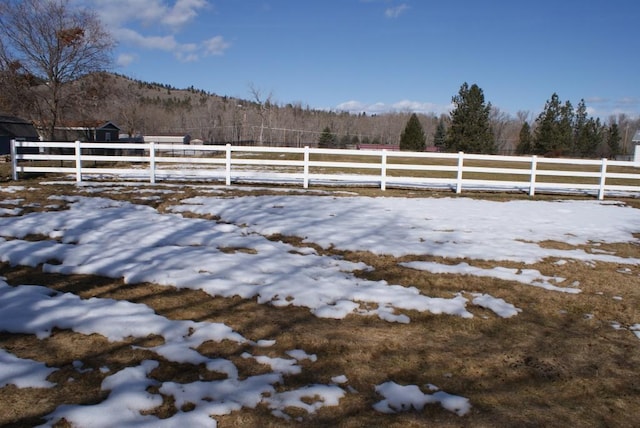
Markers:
{"x": 562, "y": 130}
{"x": 559, "y": 130}
{"x": 53, "y": 62}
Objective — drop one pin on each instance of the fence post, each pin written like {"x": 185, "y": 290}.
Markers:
{"x": 14, "y": 160}
{"x": 228, "y": 165}
{"x": 305, "y": 179}
{"x": 534, "y": 167}
{"x": 603, "y": 177}
{"x": 78, "y": 162}
{"x": 152, "y": 162}
{"x": 459, "y": 177}
{"x": 383, "y": 170}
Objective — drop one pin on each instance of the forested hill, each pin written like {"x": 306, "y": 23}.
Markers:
{"x": 154, "y": 108}
{"x": 151, "y": 108}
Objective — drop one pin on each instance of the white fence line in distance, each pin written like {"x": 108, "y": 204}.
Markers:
{"x": 161, "y": 161}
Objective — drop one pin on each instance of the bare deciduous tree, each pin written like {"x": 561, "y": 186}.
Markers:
{"x": 264, "y": 109}
{"x": 53, "y": 44}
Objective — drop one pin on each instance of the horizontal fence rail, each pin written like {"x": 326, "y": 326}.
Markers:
{"x": 163, "y": 161}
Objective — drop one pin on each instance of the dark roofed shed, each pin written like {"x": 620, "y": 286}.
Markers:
{"x": 14, "y": 128}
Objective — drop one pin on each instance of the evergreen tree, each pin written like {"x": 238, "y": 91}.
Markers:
{"x": 345, "y": 140}
{"x": 613, "y": 140}
{"x": 327, "y": 140}
{"x": 561, "y": 131}
{"x": 592, "y": 138}
{"x": 524, "y": 145}
{"x": 413, "y": 138}
{"x": 470, "y": 129}
{"x": 580, "y": 130}
{"x": 554, "y": 130}
{"x": 440, "y": 136}
{"x": 565, "y": 129}
{"x": 546, "y": 129}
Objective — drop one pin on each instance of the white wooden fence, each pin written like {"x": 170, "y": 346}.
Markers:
{"x": 153, "y": 161}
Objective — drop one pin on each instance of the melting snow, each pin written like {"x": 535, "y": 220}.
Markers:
{"x": 23, "y": 373}
{"x": 122, "y": 240}
{"x": 399, "y": 398}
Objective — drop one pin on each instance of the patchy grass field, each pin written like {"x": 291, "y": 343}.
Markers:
{"x": 559, "y": 362}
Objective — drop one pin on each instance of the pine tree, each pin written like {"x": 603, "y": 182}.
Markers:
{"x": 413, "y": 138}
{"x": 440, "y": 136}
{"x": 579, "y": 146}
{"x": 565, "y": 129}
{"x": 554, "y": 130}
{"x": 327, "y": 139}
{"x": 613, "y": 140}
{"x": 545, "y": 133}
{"x": 345, "y": 140}
{"x": 524, "y": 145}
{"x": 470, "y": 129}
{"x": 592, "y": 138}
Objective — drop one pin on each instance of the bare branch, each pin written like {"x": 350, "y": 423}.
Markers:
{"x": 54, "y": 43}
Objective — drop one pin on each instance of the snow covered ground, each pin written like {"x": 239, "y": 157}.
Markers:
{"x": 233, "y": 257}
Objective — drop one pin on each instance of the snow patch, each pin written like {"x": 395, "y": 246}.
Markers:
{"x": 401, "y": 398}
{"x": 22, "y": 372}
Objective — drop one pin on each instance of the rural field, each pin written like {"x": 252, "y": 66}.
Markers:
{"x": 191, "y": 304}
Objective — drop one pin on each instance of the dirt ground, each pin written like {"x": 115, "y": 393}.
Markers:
{"x": 557, "y": 363}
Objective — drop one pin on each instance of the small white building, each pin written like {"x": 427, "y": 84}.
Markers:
{"x": 175, "y": 139}
{"x": 636, "y": 142}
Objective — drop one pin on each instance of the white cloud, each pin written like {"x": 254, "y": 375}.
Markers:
{"x": 183, "y": 12}
{"x": 117, "y": 13}
{"x": 396, "y": 11}
{"x": 131, "y": 23}
{"x": 124, "y": 60}
{"x": 215, "y": 45}
{"x": 187, "y": 57}
{"x": 628, "y": 101}
{"x": 165, "y": 43}
{"x": 359, "y": 107}
{"x": 355, "y": 107}
{"x": 604, "y": 108}
{"x": 416, "y": 106}
{"x": 591, "y": 111}
{"x": 605, "y": 113}
{"x": 352, "y": 106}
{"x": 189, "y": 47}
{"x": 184, "y": 52}
{"x": 596, "y": 100}
{"x": 378, "y": 108}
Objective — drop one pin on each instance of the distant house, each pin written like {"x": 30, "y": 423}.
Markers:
{"x": 107, "y": 132}
{"x": 14, "y": 128}
{"x": 99, "y": 132}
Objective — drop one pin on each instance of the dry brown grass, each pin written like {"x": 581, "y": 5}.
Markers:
{"x": 558, "y": 363}
{"x": 5, "y": 170}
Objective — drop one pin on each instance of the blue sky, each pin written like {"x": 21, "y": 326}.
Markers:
{"x": 386, "y": 55}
